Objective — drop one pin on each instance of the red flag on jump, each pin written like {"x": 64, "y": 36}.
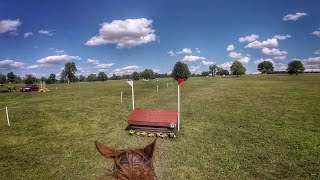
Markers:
{"x": 180, "y": 80}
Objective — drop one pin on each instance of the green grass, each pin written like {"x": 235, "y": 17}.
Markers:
{"x": 251, "y": 127}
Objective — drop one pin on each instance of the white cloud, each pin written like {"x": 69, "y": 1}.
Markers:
{"x": 280, "y": 67}
{"x": 57, "y": 50}
{"x": 312, "y": 64}
{"x": 197, "y": 50}
{"x": 231, "y": 48}
{"x": 93, "y": 61}
{"x": 124, "y": 33}
{"x": 317, "y": 52}
{"x": 194, "y": 68}
{"x": 51, "y": 60}
{"x": 207, "y": 63}
{"x": 316, "y": 33}
{"x": 268, "y": 43}
{"x": 282, "y": 37}
{"x": 249, "y": 38}
{"x": 8, "y": 25}
{"x": 280, "y": 57}
{"x": 261, "y": 60}
{"x": 27, "y": 34}
{"x": 171, "y": 53}
{"x": 11, "y": 64}
{"x": 104, "y": 66}
{"x": 294, "y": 17}
{"x": 156, "y": 70}
{"x": 46, "y": 32}
{"x": 273, "y": 52}
{"x": 244, "y": 60}
{"x": 191, "y": 58}
{"x": 185, "y": 51}
{"x": 126, "y": 70}
{"x": 226, "y": 65}
{"x": 235, "y": 55}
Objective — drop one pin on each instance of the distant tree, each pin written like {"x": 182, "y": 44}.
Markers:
{"x": 237, "y": 68}
{"x": 135, "y": 76}
{"x": 225, "y": 72}
{"x": 265, "y": 67}
{"x": 30, "y": 79}
{"x": 11, "y": 76}
{"x": 43, "y": 79}
{"x": 295, "y": 67}
{"x": 180, "y": 70}
{"x": 220, "y": 71}
{"x": 52, "y": 79}
{"x": 102, "y": 76}
{"x": 18, "y": 80}
{"x": 212, "y": 69}
{"x": 82, "y": 78}
{"x": 147, "y": 74}
{"x": 193, "y": 75}
{"x": 205, "y": 73}
{"x": 92, "y": 77}
{"x": 2, "y": 79}
{"x": 69, "y": 71}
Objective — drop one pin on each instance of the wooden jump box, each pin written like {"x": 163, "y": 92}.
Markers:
{"x": 153, "y": 121}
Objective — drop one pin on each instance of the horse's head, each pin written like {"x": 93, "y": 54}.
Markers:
{"x": 131, "y": 164}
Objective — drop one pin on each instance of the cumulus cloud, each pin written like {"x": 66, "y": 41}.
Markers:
{"x": 249, "y": 38}
{"x": 104, "y": 66}
{"x": 280, "y": 57}
{"x": 268, "y": 43}
{"x": 52, "y": 60}
{"x": 207, "y": 63}
{"x": 11, "y": 64}
{"x": 124, "y": 33}
{"x": 273, "y": 52}
{"x": 261, "y": 60}
{"x": 8, "y": 25}
{"x": 231, "y": 48}
{"x": 185, "y": 51}
{"x": 126, "y": 70}
{"x": 316, "y": 33}
{"x": 191, "y": 58}
{"x": 194, "y": 68}
{"x": 280, "y": 67}
{"x": 294, "y": 17}
{"x": 25, "y": 35}
{"x": 226, "y": 65}
{"x": 46, "y": 32}
{"x": 317, "y": 52}
{"x": 282, "y": 37}
{"x": 235, "y": 55}
{"x": 57, "y": 50}
{"x": 244, "y": 60}
{"x": 171, "y": 53}
{"x": 93, "y": 61}
{"x": 197, "y": 50}
{"x": 312, "y": 64}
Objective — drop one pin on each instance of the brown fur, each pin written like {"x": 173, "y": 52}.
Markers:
{"x": 134, "y": 164}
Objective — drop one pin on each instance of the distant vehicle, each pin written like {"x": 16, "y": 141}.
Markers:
{"x": 29, "y": 88}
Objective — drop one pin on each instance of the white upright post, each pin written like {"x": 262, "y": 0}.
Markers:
{"x": 178, "y": 107}
{"x": 121, "y": 97}
{"x": 41, "y": 84}
{"x": 157, "y": 88}
{"x": 44, "y": 84}
{"x": 7, "y": 116}
{"x": 132, "y": 96}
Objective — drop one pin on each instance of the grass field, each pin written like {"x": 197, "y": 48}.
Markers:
{"x": 251, "y": 127}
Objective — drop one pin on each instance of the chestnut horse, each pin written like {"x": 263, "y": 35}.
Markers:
{"x": 134, "y": 164}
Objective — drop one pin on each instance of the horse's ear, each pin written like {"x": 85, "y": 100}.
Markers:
{"x": 149, "y": 149}
{"x": 105, "y": 150}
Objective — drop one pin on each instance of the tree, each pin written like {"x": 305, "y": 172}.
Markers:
{"x": 69, "y": 71}
{"x": 135, "y": 76}
{"x": 220, "y": 71}
{"x": 205, "y": 73}
{"x": 212, "y": 69}
{"x": 295, "y": 67}
{"x": 265, "y": 67}
{"x": 43, "y": 79}
{"x": 102, "y": 76}
{"x": 52, "y": 79}
{"x": 180, "y": 70}
{"x": 11, "y": 76}
{"x": 30, "y": 79}
{"x": 225, "y": 72}
{"x": 147, "y": 74}
{"x": 92, "y": 77}
{"x": 2, "y": 79}
{"x": 237, "y": 68}
{"x": 82, "y": 78}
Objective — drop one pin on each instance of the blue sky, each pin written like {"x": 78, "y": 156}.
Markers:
{"x": 39, "y": 37}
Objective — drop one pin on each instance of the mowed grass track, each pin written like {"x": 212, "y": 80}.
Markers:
{"x": 251, "y": 127}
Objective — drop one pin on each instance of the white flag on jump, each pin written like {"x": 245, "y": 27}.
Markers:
{"x": 130, "y": 82}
